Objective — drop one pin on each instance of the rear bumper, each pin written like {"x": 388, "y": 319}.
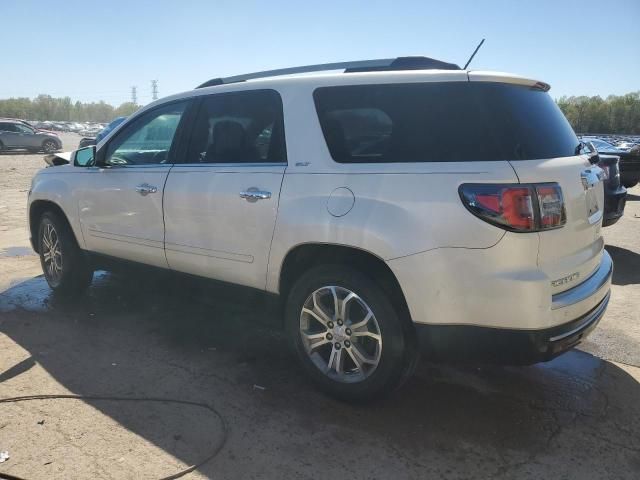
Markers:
{"x": 614, "y": 203}
{"x": 482, "y": 305}
{"x": 506, "y": 346}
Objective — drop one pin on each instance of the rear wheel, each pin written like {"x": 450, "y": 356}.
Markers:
{"x": 49, "y": 146}
{"x": 347, "y": 334}
{"x": 63, "y": 263}
{"x": 630, "y": 183}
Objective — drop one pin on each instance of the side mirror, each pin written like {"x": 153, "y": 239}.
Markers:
{"x": 84, "y": 157}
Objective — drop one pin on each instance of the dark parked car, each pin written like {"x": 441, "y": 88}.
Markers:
{"x": 88, "y": 141}
{"x": 16, "y": 134}
{"x": 629, "y": 160}
{"x": 615, "y": 195}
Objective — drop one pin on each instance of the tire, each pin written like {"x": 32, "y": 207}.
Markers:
{"x": 395, "y": 351}
{"x": 49, "y": 146}
{"x": 63, "y": 262}
{"x": 630, "y": 183}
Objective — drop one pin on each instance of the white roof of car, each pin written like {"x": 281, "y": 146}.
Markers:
{"x": 317, "y": 76}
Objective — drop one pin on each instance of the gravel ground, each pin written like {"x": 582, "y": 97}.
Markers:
{"x": 175, "y": 337}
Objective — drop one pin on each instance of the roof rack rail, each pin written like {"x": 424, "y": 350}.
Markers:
{"x": 383, "y": 64}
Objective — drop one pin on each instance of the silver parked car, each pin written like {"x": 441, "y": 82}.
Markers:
{"x": 15, "y": 134}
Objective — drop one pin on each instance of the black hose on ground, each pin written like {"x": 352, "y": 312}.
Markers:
{"x": 214, "y": 452}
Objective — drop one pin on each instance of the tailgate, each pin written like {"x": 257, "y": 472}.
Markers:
{"x": 570, "y": 254}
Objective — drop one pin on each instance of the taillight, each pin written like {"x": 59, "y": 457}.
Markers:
{"x": 520, "y": 207}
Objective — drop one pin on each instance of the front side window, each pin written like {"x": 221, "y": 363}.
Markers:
{"x": 23, "y": 128}
{"x": 148, "y": 139}
{"x": 239, "y": 127}
{"x": 442, "y": 122}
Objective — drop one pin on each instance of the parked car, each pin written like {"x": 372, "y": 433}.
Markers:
{"x": 382, "y": 233}
{"x": 86, "y": 141}
{"x": 615, "y": 195}
{"x": 17, "y": 134}
{"x": 629, "y": 160}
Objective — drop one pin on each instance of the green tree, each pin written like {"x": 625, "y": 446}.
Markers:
{"x": 45, "y": 107}
{"x": 615, "y": 114}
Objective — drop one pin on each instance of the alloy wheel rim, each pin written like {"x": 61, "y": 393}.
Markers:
{"x": 49, "y": 147}
{"x": 340, "y": 334}
{"x": 52, "y": 253}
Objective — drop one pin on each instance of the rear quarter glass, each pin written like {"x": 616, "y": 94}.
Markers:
{"x": 442, "y": 122}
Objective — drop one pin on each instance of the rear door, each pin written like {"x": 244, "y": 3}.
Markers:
{"x": 542, "y": 147}
{"x": 220, "y": 205}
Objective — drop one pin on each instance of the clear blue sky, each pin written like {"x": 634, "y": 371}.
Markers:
{"x": 96, "y": 50}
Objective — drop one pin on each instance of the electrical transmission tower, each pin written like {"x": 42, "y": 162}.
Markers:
{"x": 134, "y": 95}
{"x": 154, "y": 89}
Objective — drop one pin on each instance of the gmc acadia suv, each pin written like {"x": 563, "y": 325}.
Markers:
{"x": 398, "y": 206}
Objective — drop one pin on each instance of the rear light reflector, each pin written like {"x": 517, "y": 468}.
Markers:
{"x": 519, "y": 208}
{"x": 551, "y": 206}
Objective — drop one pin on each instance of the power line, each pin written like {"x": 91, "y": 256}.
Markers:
{"x": 154, "y": 89}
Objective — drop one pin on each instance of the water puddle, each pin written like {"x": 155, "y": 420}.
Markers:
{"x": 16, "y": 252}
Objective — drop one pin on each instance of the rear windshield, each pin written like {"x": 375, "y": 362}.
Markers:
{"x": 442, "y": 122}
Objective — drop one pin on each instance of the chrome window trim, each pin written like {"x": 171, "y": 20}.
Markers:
{"x": 231, "y": 164}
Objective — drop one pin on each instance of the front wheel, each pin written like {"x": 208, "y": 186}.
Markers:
{"x": 347, "y": 334}
{"x": 63, "y": 263}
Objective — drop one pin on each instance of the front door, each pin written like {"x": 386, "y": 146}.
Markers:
{"x": 220, "y": 205}
{"x": 27, "y": 137}
{"x": 120, "y": 204}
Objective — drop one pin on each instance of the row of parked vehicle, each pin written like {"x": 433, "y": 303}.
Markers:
{"x": 36, "y": 136}
{"x": 627, "y": 147}
{"x": 86, "y": 128}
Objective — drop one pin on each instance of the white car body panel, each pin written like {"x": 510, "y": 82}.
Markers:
{"x": 211, "y": 231}
{"x": 116, "y": 220}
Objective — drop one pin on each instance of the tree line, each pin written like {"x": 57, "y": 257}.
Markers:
{"x": 45, "y": 107}
{"x": 614, "y": 114}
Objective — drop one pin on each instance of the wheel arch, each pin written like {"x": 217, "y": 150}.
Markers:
{"x": 308, "y": 255}
{"x": 36, "y": 210}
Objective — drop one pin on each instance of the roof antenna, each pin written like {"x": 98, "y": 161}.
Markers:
{"x": 473, "y": 55}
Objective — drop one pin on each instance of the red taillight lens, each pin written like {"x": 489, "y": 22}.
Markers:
{"x": 551, "y": 206}
{"x": 521, "y": 208}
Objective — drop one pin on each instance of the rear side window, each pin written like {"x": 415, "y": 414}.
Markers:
{"x": 442, "y": 122}
{"x": 238, "y": 127}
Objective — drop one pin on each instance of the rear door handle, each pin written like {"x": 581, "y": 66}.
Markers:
{"x": 253, "y": 194}
{"x": 145, "y": 189}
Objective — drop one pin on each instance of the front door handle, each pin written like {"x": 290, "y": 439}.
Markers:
{"x": 145, "y": 189}
{"x": 253, "y": 194}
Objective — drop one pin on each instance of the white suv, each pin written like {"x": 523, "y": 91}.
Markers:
{"x": 398, "y": 206}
